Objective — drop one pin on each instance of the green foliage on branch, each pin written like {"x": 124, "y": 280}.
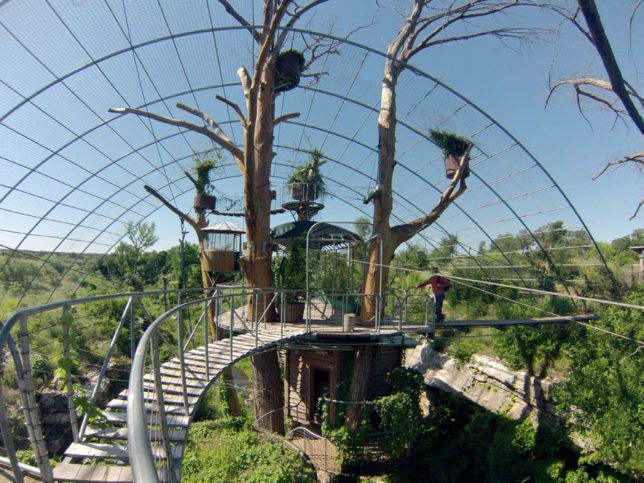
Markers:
{"x": 450, "y": 143}
{"x": 309, "y": 171}
{"x": 204, "y": 164}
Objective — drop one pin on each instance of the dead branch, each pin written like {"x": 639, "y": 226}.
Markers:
{"x": 235, "y": 107}
{"x": 220, "y": 137}
{"x": 215, "y": 136}
{"x": 245, "y": 79}
{"x": 637, "y": 158}
{"x": 407, "y": 230}
{"x": 285, "y": 117}
{"x": 637, "y": 210}
{"x": 433, "y": 30}
{"x": 295, "y": 16}
{"x": 191, "y": 221}
{"x": 605, "y": 51}
{"x": 233, "y": 13}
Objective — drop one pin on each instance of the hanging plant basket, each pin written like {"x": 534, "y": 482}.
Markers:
{"x": 288, "y": 68}
{"x": 453, "y": 148}
{"x": 205, "y": 202}
{"x": 451, "y": 166}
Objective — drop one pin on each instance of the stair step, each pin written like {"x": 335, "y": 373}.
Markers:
{"x": 170, "y": 408}
{"x": 194, "y": 386}
{"x": 98, "y": 451}
{"x": 92, "y": 473}
{"x": 167, "y": 398}
{"x": 176, "y": 435}
{"x": 172, "y": 419}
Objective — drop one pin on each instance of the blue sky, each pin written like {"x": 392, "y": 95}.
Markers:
{"x": 510, "y": 87}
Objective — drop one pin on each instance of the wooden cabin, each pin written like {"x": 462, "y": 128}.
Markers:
{"x": 312, "y": 373}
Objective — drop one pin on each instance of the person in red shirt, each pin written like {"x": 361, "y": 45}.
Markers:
{"x": 440, "y": 285}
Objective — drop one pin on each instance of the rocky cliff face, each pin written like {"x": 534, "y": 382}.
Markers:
{"x": 487, "y": 382}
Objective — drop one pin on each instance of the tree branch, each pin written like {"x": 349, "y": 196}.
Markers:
{"x": 229, "y": 8}
{"x": 191, "y": 221}
{"x": 245, "y": 79}
{"x": 294, "y": 18}
{"x": 404, "y": 232}
{"x": 637, "y": 158}
{"x": 603, "y": 47}
{"x": 222, "y": 141}
{"x": 235, "y": 107}
{"x": 219, "y": 136}
{"x": 286, "y": 117}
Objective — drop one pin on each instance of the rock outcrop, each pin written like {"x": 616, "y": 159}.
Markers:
{"x": 487, "y": 382}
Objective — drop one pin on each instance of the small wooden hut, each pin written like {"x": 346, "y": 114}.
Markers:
{"x": 322, "y": 372}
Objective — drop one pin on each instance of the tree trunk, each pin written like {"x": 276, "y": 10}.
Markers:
{"x": 267, "y": 389}
{"x": 359, "y": 384}
{"x": 383, "y": 200}
{"x": 256, "y": 263}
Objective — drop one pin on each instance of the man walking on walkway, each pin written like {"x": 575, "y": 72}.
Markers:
{"x": 440, "y": 285}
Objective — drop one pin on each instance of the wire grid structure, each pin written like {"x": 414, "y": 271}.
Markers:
{"x": 73, "y": 174}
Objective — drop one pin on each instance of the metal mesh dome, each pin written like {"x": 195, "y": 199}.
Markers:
{"x": 73, "y": 174}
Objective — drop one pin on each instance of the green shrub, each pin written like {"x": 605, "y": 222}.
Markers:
{"x": 216, "y": 452}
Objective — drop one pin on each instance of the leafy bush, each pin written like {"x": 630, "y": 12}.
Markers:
{"x": 217, "y": 453}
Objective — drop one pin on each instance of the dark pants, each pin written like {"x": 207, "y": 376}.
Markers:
{"x": 438, "y": 307}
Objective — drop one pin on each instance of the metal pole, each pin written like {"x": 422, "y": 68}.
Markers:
{"x": 232, "y": 322}
{"x": 27, "y": 391}
{"x": 105, "y": 364}
{"x": 161, "y": 408}
{"x": 182, "y": 366}
{"x": 4, "y": 422}
{"x": 132, "y": 328}
{"x": 379, "y": 309}
{"x": 68, "y": 373}
{"x": 206, "y": 323}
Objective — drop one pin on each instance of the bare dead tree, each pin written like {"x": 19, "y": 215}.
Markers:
{"x": 254, "y": 162}
{"x": 616, "y": 94}
{"x": 427, "y": 25}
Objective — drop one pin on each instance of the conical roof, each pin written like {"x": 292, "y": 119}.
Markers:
{"x": 223, "y": 227}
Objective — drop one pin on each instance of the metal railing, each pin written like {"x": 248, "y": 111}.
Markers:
{"x": 50, "y": 333}
{"x": 151, "y": 455}
{"x": 56, "y": 329}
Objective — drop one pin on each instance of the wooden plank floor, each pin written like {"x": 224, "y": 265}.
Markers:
{"x": 109, "y": 445}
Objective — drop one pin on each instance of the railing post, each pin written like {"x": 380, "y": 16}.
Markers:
{"x": 132, "y": 328}
{"x": 206, "y": 318}
{"x": 4, "y": 422}
{"x": 432, "y": 325}
{"x": 186, "y": 409}
{"x": 161, "y": 408}
{"x": 32, "y": 415}
{"x": 232, "y": 323}
{"x": 69, "y": 383}
{"x": 106, "y": 361}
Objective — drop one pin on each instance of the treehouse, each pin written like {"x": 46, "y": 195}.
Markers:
{"x": 317, "y": 376}
{"x": 222, "y": 247}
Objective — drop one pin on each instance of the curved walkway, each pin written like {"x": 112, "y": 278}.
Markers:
{"x": 110, "y": 446}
